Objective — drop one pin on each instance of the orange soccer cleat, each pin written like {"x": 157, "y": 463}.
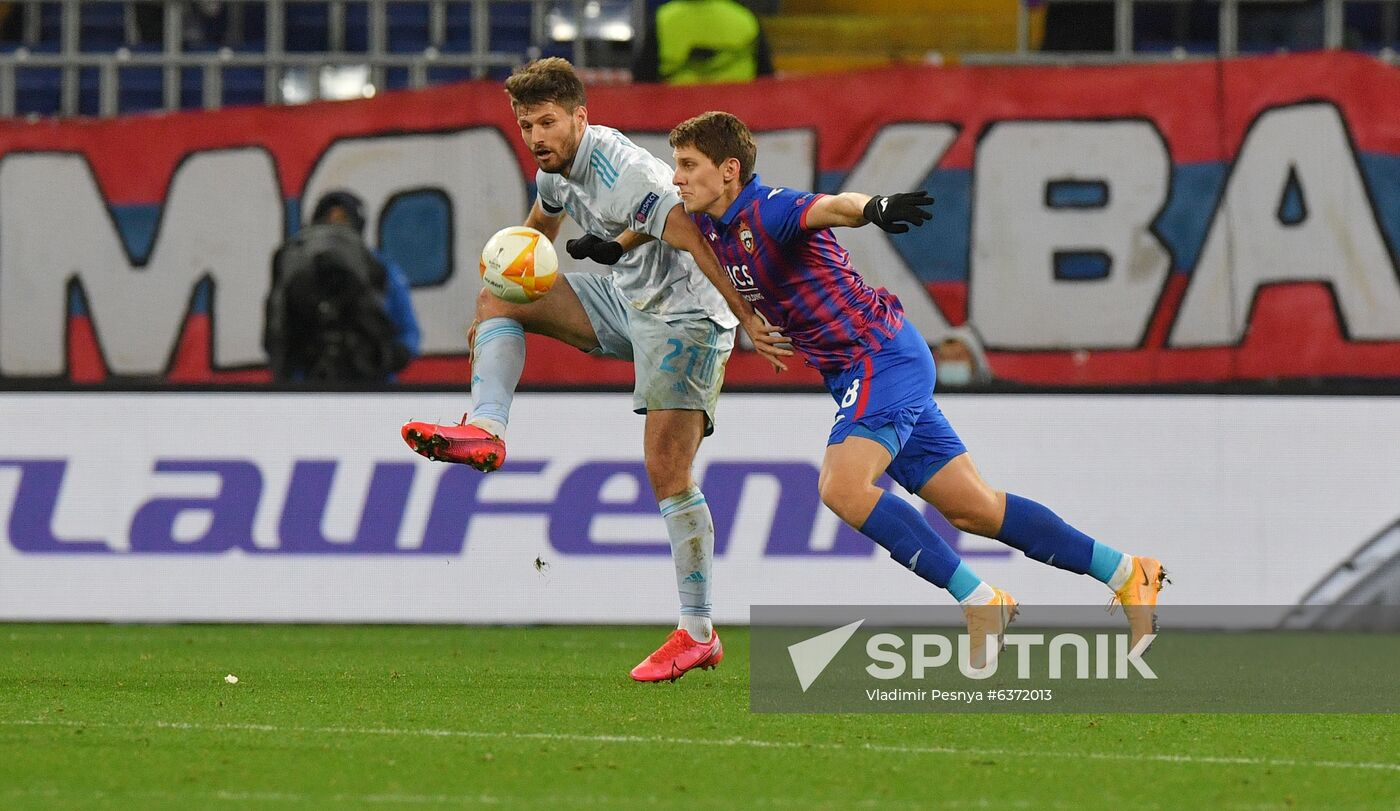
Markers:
{"x": 985, "y": 621}
{"x": 462, "y": 443}
{"x": 1138, "y": 597}
{"x": 680, "y": 654}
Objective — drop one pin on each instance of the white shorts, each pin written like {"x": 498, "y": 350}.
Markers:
{"x": 679, "y": 364}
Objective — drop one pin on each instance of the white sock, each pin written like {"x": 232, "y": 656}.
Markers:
{"x": 699, "y": 628}
{"x": 1122, "y": 573}
{"x": 692, "y": 534}
{"x": 982, "y": 595}
{"x": 487, "y": 424}
{"x": 498, "y": 359}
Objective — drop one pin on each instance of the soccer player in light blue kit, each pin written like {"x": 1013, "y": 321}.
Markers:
{"x": 780, "y": 254}
{"x": 665, "y": 306}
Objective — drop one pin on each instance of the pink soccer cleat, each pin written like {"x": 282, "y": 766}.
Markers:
{"x": 680, "y": 654}
{"x": 463, "y": 443}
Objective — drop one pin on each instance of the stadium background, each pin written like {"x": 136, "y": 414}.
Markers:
{"x": 1182, "y": 262}
{"x": 1199, "y": 225}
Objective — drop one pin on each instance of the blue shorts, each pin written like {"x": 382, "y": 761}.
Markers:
{"x": 888, "y": 397}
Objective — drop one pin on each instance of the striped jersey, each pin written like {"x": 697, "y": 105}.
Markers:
{"x": 614, "y": 185}
{"x": 800, "y": 280}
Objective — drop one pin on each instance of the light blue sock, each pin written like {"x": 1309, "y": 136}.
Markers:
{"x": 498, "y": 359}
{"x": 692, "y": 534}
{"x": 1105, "y": 562}
{"x": 963, "y": 582}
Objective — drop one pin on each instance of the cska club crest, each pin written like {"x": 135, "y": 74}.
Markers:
{"x": 746, "y": 236}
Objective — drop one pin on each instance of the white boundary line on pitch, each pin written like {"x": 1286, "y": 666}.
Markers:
{"x": 494, "y": 800}
{"x": 733, "y": 742}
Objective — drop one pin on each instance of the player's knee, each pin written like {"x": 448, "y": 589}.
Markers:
{"x": 489, "y": 306}
{"x": 843, "y": 496}
{"x": 829, "y": 490}
{"x": 483, "y": 301}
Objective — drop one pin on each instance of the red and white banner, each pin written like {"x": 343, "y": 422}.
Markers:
{"x": 1194, "y": 222}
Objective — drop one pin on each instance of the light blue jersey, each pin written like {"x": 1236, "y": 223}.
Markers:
{"x": 615, "y": 185}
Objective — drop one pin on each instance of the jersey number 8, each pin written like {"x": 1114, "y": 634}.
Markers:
{"x": 851, "y": 394}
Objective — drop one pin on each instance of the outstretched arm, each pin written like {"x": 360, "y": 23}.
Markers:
{"x": 853, "y": 209}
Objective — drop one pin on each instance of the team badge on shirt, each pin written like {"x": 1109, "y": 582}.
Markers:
{"x": 746, "y": 236}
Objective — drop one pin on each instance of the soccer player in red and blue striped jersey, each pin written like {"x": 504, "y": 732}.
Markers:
{"x": 780, "y": 254}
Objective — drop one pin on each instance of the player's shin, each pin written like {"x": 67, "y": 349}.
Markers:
{"x": 898, "y": 527}
{"x": 692, "y": 534}
{"x": 498, "y": 359}
{"x": 1044, "y": 536}
{"x": 1036, "y": 530}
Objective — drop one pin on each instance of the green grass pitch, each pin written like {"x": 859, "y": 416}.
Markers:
{"x": 96, "y": 716}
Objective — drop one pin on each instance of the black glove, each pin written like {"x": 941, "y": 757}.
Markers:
{"x": 604, "y": 252}
{"x": 890, "y": 212}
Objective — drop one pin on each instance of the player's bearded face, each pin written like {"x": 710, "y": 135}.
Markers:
{"x": 552, "y": 133}
{"x": 699, "y": 182}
